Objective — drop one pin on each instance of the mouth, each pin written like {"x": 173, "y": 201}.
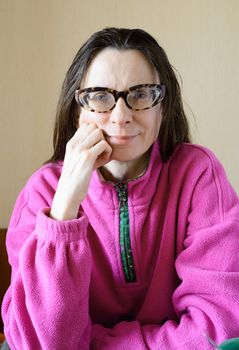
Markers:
{"x": 121, "y": 140}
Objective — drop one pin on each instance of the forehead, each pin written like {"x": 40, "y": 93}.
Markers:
{"x": 119, "y": 69}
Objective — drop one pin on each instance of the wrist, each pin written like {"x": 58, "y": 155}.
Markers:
{"x": 63, "y": 212}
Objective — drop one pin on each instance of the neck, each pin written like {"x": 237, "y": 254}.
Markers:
{"x": 116, "y": 171}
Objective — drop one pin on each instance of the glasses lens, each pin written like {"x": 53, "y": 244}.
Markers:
{"x": 98, "y": 101}
{"x": 144, "y": 97}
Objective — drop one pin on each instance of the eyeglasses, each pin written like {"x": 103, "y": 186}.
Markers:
{"x": 137, "y": 97}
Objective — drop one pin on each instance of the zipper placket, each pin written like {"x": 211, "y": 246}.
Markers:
{"x": 125, "y": 245}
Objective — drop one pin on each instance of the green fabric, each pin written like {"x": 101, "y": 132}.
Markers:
{"x": 125, "y": 246}
{"x": 230, "y": 344}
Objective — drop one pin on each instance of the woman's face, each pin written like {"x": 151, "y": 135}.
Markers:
{"x": 130, "y": 133}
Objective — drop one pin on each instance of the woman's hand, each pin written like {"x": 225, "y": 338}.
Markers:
{"x": 85, "y": 151}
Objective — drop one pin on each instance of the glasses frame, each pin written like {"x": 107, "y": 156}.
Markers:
{"x": 123, "y": 94}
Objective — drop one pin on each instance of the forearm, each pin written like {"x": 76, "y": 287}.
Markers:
{"x": 187, "y": 334}
{"x": 206, "y": 301}
{"x": 46, "y": 306}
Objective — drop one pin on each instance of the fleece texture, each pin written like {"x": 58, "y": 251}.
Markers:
{"x": 68, "y": 289}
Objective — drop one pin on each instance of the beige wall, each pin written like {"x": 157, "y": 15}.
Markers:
{"x": 40, "y": 38}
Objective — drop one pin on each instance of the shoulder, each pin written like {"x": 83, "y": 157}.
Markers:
{"x": 37, "y": 193}
{"x": 40, "y": 188}
{"x": 196, "y": 159}
{"x": 46, "y": 175}
{"x": 43, "y": 182}
{"x": 195, "y": 166}
{"x": 196, "y": 152}
{"x": 205, "y": 178}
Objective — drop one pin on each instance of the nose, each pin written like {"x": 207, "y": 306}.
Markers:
{"x": 121, "y": 114}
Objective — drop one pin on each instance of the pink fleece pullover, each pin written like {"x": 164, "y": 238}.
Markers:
{"x": 68, "y": 288}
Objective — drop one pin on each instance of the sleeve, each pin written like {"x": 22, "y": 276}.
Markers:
{"x": 207, "y": 300}
{"x": 46, "y": 305}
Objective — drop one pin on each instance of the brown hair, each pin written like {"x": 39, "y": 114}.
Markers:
{"x": 174, "y": 126}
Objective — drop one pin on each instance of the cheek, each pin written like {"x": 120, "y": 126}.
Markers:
{"x": 155, "y": 130}
{"x": 155, "y": 122}
{"x": 157, "y": 127}
{"x": 88, "y": 117}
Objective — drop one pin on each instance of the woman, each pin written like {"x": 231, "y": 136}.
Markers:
{"x": 128, "y": 237}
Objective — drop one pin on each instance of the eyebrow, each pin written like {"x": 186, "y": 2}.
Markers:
{"x": 95, "y": 88}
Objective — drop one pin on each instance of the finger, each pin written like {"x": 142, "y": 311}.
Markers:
{"x": 102, "y": 160}
{"x": 101, "y": 147}
{"x": 82, "y": 133}
{"x": 103, "y": 151}
{"x": 82, "y": 122}
{"x": 86, "y": 126}
{"x": 85, "y": 123}
{"x": 86, "y": 142}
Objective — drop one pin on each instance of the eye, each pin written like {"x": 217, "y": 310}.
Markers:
{"x": 98, "y": 96}
{"x": 139, "y": 94}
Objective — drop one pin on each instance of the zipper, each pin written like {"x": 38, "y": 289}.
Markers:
{"x": 125, "y": 245}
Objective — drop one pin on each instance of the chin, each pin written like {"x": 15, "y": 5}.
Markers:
{"x": 125, "y": 155}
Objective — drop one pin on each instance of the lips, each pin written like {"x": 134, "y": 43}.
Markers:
{"x": 118, "y": 139}
{"x": 122, "y": 137}
{"x": 120, "y": 134}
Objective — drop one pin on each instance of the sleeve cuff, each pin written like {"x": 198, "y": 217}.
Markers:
{"x": 54, "y": 230}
